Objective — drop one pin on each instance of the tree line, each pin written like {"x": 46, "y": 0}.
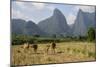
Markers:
{"x": 20, "y": 39}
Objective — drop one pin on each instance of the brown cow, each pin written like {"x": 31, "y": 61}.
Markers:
{"x": 47, "y": 48}
{"x": 53, "y": 46}
{"x": 35, "y": 46}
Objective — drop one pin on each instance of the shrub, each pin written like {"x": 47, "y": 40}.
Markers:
{"x": 91, "y": 54}
{"x": 91, "y": 34}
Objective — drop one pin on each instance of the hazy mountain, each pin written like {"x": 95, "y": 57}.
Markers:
{"x": 83, "y": 21}
{"x": 56, "y": 24}
{"x": 17, "y": 26}
{"x": 32, "y": 29}
{"x": 20, "y": 26}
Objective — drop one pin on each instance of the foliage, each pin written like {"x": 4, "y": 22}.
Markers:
{"x": 91, "y": 34}
{"x": 20, "y": 39}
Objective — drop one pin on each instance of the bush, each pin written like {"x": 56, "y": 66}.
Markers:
{"x": 20, "y": 39}
{"x": 91, "y": 54}
{"x": 91, "y": 34}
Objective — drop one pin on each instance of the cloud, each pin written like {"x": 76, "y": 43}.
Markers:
{"x": 20, "y": 4}
{"x": 86, "y": 8}
{"x": 31, "y": 11}
{"x": 71, "y": 18}
{"x": 18, "y": 14}
{"x": 39, "y": 5}
{"x": 43, "y": 6}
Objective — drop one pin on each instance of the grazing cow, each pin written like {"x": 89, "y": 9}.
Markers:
{"x": 35, "y": 46}
{"x": 26, "y": 45}
{"x": 53, "y": 46}
{"x": 47, "y": 48}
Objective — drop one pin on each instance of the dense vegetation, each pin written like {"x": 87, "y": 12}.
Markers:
{"x": 20, "y": 39}
{"x": 91, "y": 34}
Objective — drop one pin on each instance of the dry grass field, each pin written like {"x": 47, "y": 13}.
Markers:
{"x": 65, "y": 52}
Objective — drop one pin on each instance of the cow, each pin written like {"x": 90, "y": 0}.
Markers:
{"x": 53, "y": 47}
{"x": 47, "y": 48}
{"x": 35, "y": 46}
{"x": 26, "y": 45}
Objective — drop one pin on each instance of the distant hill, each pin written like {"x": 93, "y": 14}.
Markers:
{"x": 20, "y": 26}
{"x": 56, "y": 24}
{"x": 83, "y": 21}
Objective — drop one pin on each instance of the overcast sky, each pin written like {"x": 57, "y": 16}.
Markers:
{"x": 40, "y": 11}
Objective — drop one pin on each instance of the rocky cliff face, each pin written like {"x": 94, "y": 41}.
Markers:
{"x": 56, "y": 24}
{"x": 83, "y": 21}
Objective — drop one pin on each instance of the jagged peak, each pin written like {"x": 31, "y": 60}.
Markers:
{"x": 80, "y": 11}
{"x": 57, "y": 11}
{"x": 30, "y": 22}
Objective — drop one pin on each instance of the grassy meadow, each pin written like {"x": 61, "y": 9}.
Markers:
{"x": 65, "y": 52}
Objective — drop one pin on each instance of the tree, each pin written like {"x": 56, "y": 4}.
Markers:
{"x": 91, "y": 34}
{"x": 37, "y": 35}
{"x": 54, "y": 36}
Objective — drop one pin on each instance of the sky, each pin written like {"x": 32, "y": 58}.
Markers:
{"x": 37, "y": 12}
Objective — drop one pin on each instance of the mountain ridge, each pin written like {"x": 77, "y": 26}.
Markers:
{"x": 83, "y": 21}
{"x": 56, "y": 25}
